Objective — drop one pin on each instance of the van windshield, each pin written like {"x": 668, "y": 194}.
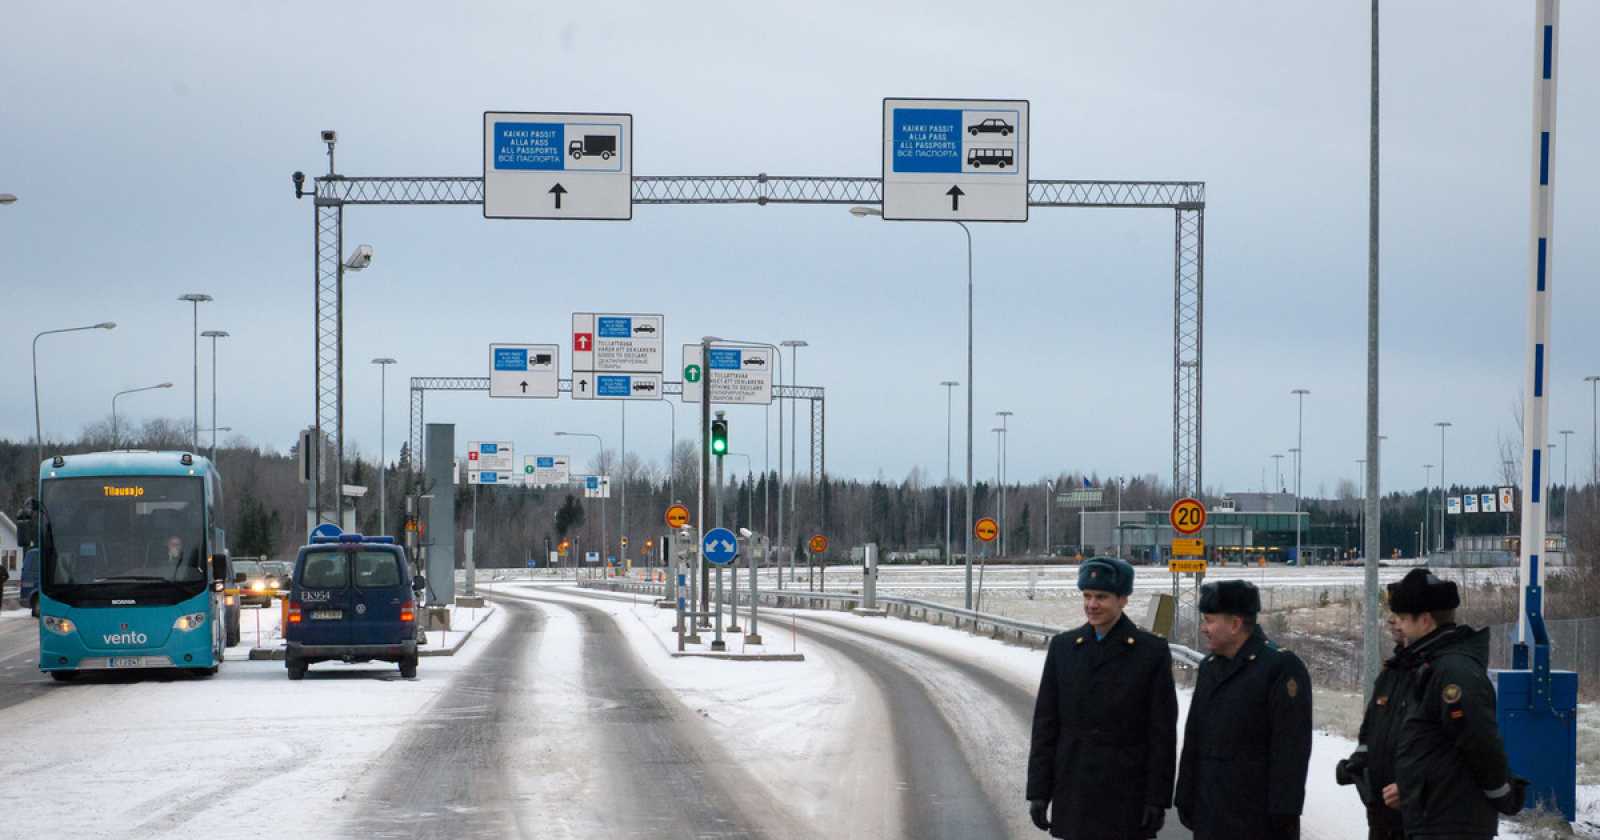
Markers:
{"x": 331, "y": 569}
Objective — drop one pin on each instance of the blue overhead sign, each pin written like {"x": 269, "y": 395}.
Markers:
{"x": 720, "y": 546}
{"x": 557, "y": 166}
{"x": 612, "y": 327}
{"x": 722, "y": 359}
{"x": 588, "y": 147}
{"x": 510, "y": 358}
{"x": 927, "y": 140}
{"x": 613, "y": 386}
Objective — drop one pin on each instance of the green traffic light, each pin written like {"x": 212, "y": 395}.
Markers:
{"x": 719, "y": 437}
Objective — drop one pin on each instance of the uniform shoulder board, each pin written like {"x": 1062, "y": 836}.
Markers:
{"x": 1275, "y": 647}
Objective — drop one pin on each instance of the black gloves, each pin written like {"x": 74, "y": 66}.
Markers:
{"x": 1154, "y": 817}
{"x": 1349, "y": 770}
{"x": 1288, "y": 825}
{"x": 1036, "y": 812}
{"x": 1511, "y": 803}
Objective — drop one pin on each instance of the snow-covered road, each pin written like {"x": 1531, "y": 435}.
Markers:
{"x": 565, "y": 715}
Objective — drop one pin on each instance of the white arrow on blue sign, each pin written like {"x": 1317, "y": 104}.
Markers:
{"x": 720, "y": 546}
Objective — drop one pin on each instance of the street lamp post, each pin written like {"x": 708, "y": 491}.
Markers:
{"x": 1427, "y": 507}
{"x": 1566, "y": 486}
{"x": 861, "y": 212}
{"x": 114, "y": 435}
{"x": 948, "y": 384}
{"x": 1299, "y": 442}
{"x": 383, "y": 363}
{"x": 1277, "y": 473}
{"x": 196, "y": 299}
{"x": 794, "y": 346}
{"x": 214, "y": 335}
{"x": 605, "y": 537}
{"x": 38, "y": 433}
{"x": 358, "y": 260}
{"x": 1443, "y": 487}
{"x": 1594, "y": 428}
{"x": 1005, "y": 461}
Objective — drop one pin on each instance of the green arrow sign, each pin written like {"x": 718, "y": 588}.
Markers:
{"x": 691, "y": 373}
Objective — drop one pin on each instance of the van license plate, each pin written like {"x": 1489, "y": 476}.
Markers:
{"x": 127, "y": 662}
{"x": 334, "y": 614}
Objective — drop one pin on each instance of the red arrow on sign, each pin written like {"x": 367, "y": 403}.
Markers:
{"x": 581, "y": 341}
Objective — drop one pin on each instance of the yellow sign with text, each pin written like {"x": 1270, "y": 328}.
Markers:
{"x": 1187, "y": 566}
{"x": 1182, "y": 547}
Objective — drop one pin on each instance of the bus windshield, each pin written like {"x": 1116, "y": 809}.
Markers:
{"x": 122, "y": 536}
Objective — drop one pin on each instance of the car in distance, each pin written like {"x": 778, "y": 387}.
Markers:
{"x": 990, "y": 126}
{"x": 352, "y": 598}
{"x": 250, "y": 578}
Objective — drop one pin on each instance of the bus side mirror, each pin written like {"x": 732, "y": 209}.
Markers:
{"x": 26, "y": 535}
{"x": 219, "y": 568}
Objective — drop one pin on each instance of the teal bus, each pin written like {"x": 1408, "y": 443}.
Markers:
{"x": 133, "y": 564}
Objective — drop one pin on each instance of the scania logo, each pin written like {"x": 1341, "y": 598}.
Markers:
{"x": 125, "y": 638}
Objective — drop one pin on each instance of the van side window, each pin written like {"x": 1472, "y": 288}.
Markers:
{"x": 325, "y": 570}
{"x": 376, "y": 569}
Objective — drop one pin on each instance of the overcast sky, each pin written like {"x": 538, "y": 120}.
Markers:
{"x": 151, "y": 147}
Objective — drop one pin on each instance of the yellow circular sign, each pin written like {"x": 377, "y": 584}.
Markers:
{"x": 986, "y": 529}
{"x": 1188, "y": 516}
{"x": 819, "y": 544}
{"x": 677, "y": 516}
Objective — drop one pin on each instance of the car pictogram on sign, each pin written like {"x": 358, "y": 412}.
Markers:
{"x": 991, "y": 126}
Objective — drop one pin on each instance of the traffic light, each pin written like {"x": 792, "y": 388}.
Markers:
{"x": 719, "y": 437}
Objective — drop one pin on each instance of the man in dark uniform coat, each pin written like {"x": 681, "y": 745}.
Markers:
{"x": 1247, "y": 741}
{"x": 1452, "y": 779}
{"x": 1105, "y": 726}
{"x": 1371, "y": 767}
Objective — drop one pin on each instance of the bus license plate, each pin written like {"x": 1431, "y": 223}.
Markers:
{"x": 127, "y": 662}
{"x": 334, "y": 614}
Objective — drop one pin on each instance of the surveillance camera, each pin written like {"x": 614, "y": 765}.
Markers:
{"x": 330, "y": 137}
{"x": 360, "y": 258}
{"x": 299, "y": 179}
{"x": 745, "y": 532}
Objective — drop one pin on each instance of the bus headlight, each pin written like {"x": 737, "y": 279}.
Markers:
{"x": 190, "y": 621}
{"x": 58, "y": 626}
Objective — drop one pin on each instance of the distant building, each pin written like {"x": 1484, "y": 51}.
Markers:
{"x": 10, "y": 550}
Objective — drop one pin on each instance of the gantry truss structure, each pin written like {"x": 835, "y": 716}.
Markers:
{"x": 333, "y": 192}
{"x": 420, "y": 385}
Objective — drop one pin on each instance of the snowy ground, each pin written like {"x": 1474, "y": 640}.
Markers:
{"x": 249, "y": 752}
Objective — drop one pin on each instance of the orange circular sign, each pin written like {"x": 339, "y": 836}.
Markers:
{"x": 677, "y": 516}
{"x": 986, "y": 529}
{"x": 819, "y": 544}
{"x": 1188, "y": 516}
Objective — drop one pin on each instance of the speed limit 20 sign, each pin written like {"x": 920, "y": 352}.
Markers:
{"x": 1188, "y": 516}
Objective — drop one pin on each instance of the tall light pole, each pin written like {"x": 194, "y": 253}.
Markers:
{"x": 196, "y": 299}
{"x": 7, "y": 198}
{"x": 214, "y": 335}
{"x": 1005, "y": 452}
{"x": 1566, "y": 485}
{"x": 383, "y": 363}
{"x": 1299, "y": 443}
{"x": 860, "y": 212}
{"x": 1594, "y": 428}
{"x": 359, "y": 259}
{"x": 605, "y": 537}
{"x": 794, "y": 346}
{"x": 38, "y": 434}
{"x": 114, "y": 406}
{"x": 1277, "y": 473}
{"x": 1427, "y": 507}
{"x": 948, "y": 384}
{"x": 1443, "y": 487}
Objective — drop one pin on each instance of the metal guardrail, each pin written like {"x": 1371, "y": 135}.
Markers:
{"x": 912, "y": 609}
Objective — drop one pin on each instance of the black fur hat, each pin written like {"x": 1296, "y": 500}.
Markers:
{"x": 1234, "y": 597}
{"x": 1421, "y": 591}
{"x": 1107, "y": 574}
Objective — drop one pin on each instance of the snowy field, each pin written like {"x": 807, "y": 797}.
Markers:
{"x": 249, "y": 752}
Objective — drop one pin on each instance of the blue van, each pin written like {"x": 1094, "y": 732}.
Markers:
{"x": 28, "y": 583}
{"x": 352, "y": 599}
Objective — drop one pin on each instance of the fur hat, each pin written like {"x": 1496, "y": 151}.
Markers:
{"x": 1421, "y": 591}
{"x": 1107, "y": 574}
{"x": 1234, "y": 597}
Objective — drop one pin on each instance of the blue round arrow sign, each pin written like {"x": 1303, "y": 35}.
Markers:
{"x": 720, "y": 546}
